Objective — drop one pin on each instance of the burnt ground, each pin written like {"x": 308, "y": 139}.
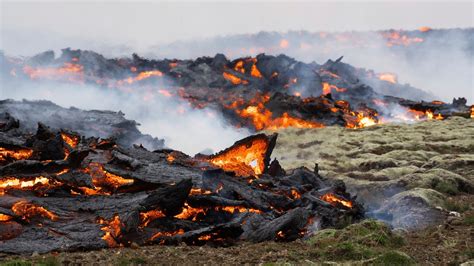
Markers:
{"x": 442, "y": 149}
{"x": 450, "y": 243}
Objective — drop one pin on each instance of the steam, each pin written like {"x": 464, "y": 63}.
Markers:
{"x": 442, "y": 64}
{"x": 183, "y": 127}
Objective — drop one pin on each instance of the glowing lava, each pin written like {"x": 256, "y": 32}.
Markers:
{"x": 246, "y": 159}
{"x": 334, "y": 200}
{"x": 27, "y": 210}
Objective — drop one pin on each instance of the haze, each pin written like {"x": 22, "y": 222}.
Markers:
{"x": 31, "y": 27}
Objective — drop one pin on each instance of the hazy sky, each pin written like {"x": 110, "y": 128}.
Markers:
{"x": 144, "y": 23}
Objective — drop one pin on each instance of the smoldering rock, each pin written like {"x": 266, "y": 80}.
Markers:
{"x": 93, "y": 123}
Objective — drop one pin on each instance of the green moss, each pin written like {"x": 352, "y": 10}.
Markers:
{"x": 469, "y": 219}
{"x": 16, "y": 263}
{"x": 445, "y": 186}
{"x": 393, "y": 258}
{"x": 365, "y": 240}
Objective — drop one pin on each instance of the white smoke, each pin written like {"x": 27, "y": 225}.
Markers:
{"x": 183, "y": 127}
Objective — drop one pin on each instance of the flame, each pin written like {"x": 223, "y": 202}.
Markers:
{"x": 361, "y": 120}
{"x": 173, "y": 64}
{"x": 112, "y": 230}
{"x": 234, "y": 79}
{"x": 71, "y": 140}
{"x": 27, "y": 210}
{"x": 389, "y": 77}
{"x": 334, "y": 200}
{"x": 69, "y": 71}
{"x": 17, "y": 154}
{"x": 430, "y": 116}
{"x": 472, "y": 111}
{"x": 327, "y": 88}
{"x": 147, "y": 217}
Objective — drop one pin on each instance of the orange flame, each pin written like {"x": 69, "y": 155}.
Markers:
{"x": 334, "y": 200}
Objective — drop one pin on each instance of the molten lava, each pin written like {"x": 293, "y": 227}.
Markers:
{"x": 16, "y": 154}
{"x": 334, "y": 200}
{"x": 27, "y": 210}
{"x": 246, "y": 159}
{"x": 104, "y": 180}
{"x": 167, "y": 234}
{"x": 5, "y": 218}
{"x": 69, "y": 71}
{"x": 16, "y": 183}
{"x": 234, "y": 79}
{"x": 327, "y": 88}
{"x": 112, "y": 230}
{"x": 262, "y": 118}
{"x": 147, "y": 217}
{"x": 71, "y": 140}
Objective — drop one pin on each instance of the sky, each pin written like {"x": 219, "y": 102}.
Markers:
{"x": 140, "y": 24}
